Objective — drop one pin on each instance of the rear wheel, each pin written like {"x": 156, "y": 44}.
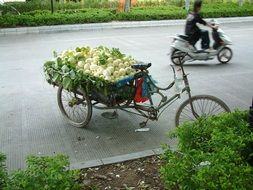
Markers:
{"x": 225, "y": 55}
{"x": 203, "y": 106}
{"x": 177, "y": 57}
{"x": 75, "y": 107}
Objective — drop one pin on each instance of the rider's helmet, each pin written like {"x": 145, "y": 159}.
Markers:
{"x": 197, "y": 5}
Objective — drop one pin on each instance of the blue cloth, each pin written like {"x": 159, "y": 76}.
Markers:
{"x": 124, "y": 81}
{"x": 151, "y": 82}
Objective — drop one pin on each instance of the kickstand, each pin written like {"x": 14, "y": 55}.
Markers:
{"x": 143, "y": 124}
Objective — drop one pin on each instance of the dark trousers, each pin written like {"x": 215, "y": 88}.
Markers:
{"x": 217, "y": 39}
{"x": 204, "y": 35}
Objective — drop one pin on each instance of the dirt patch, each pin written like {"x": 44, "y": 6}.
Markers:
{"x": 139, "y": 174}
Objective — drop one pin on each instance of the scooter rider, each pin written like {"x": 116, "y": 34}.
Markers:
{"x": 193, "y": 31}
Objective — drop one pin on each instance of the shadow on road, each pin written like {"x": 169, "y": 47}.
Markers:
{"x": 205, "y": 65}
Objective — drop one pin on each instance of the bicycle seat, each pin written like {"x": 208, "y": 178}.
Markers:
{"x": 141, "y": 66}
{"x": 184, "y": 37}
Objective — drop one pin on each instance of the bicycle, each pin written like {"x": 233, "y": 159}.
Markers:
{"x": 76, "y": 106}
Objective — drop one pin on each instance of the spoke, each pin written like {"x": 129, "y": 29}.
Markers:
{"x": 219, "y": 108}
{"x": 186, "y": 118}
{"x": 79, "y": 116}
{"x": 209, "y": 111}
{"x": 189, "y": 110}
{"x": 187, "y": 115}
{"x": 83, "y": 109}
{"x": 70, "y": 113}
{"x": 74, "y": 113}
{"x": 82, "y": 115}
{"x": 199, "y": 106}
{"x": 205, "y": 106}
{"x": 217, "y": 105}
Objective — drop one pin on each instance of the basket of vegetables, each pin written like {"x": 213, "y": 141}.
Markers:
{"x": 104, "y": 74}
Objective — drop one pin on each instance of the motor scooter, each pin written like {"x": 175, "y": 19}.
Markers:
{"x": 183, "y": 50}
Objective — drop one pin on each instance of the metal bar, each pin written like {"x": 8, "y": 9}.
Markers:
{"x": 114, "y": 107}
{"x": 166, "y": 107}
{"x": 177, "y": 96}
{"x": 173, "y": 98}
{"x": 139, "y": 114}
{"x": 159, "y": 88}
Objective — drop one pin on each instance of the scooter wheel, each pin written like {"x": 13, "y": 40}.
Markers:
{"x": 225, "y": 55}
{"x": 177, "y": 57}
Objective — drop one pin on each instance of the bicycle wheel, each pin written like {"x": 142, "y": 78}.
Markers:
{"x": 75, "y": 107}
{"x": 204, "y": 106}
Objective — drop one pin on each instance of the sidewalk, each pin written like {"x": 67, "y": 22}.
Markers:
{"x": 110, "y": 25}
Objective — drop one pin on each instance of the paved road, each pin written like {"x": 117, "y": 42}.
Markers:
{"x": 30, "y": 122}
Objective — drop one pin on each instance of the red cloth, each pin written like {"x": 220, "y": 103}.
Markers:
{"x": 138, "y": 95}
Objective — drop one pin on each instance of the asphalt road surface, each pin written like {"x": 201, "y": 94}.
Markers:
{"x": 30, "y": 121}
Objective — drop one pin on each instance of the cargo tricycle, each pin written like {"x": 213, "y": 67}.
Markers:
{"x": 77, "y": 105}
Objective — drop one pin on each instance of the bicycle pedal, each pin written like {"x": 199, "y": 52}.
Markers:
{"x": 143, "y": 124}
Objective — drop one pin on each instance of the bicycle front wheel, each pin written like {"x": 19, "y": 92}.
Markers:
{"x": 203, "y": 106}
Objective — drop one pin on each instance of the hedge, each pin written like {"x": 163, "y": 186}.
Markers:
{"x": 214, "y": 153}
{"x": 3, "y": 171}
{"x": 42, "y": 173}
{"x": 46, "y": 5}
{"x": 32, "y": 5}
{"x": 44, "y": 17}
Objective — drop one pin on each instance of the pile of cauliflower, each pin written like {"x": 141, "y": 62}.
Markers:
{"x": 108, "y": 64}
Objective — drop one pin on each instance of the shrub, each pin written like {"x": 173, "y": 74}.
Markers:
{"x": 3, "y": 172}
{"x": 213, "y": 153}
{"x": 92, "y": 15}
{"x": 46, "y": 5}
{"x": 44, "y": 173}
{"x": 46, "y": 18}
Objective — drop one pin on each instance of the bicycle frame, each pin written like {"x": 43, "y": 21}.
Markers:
{"x": 151, "y": 111}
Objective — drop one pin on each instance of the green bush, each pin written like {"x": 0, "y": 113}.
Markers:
{"x": 213, "y": 153}
{"x": 44, "y": 173}
{"x": 3, "y": 172}
{"x": 93, "y": 15}
{"x": 46, "y": 5}
{"x": 159, "y": 13}
{"x": 32, "y": 5}
{"x": 40, "y": 18}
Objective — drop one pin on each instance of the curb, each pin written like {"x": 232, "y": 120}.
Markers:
{"x": 110, "y": 25}
{"x": 115, "y": 159}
